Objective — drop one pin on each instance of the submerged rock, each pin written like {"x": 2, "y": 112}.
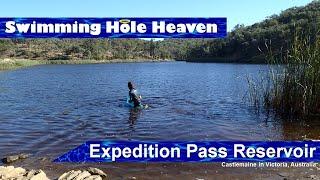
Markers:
{"x": 13, "y": 158}
{"x": 10, "y": 159}
{"x": 10, "y": 172}
{"x": 89, "y": 174}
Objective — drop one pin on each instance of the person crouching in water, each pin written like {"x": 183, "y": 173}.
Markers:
{"x": 133, "y": 96}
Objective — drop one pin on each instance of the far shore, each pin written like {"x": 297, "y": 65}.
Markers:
{"x": 10, "y": 64}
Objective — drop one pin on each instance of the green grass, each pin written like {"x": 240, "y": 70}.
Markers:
{"x": 8, "y": 64}
{"x": 90, "y": 61}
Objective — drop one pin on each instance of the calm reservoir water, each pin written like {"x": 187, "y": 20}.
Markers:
{"x": 51, "y": 109}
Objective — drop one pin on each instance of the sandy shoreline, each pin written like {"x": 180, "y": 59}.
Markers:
{"x": 167, "y": 170}
{"x": 8, "y": 64}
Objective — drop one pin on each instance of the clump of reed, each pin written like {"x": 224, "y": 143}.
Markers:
{"x": 292, "y": 86}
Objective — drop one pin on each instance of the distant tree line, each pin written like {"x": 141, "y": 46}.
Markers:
{"x": 250, "y": 44}
{"x": 95, "y": 49}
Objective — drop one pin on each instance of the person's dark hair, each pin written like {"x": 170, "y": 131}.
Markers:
{"x": 130, "y": 85}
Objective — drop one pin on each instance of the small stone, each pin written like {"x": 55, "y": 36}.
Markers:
{"x": 90, "y": 174}
{"x": 36, "y": 174}
{"x": 283, "y": 174}
{"x": 43, "y": 159}
{"x": 31, "y": 173}
{"x": 69, "y": 175}
{"x": 94, "y": 177}
{"x": 82, "y": 175}
{"x": 96, "y": 171}
{"x": 39, "y": 175}
{"x": 73, "y": 174}
{"x": 64, "y": 175}
{"x": 313, "y": 176}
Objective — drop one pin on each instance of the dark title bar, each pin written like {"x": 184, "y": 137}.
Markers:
{"x": 220, "y": 151}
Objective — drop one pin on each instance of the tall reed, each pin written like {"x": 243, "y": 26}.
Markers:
{"x": 292, "y": 86}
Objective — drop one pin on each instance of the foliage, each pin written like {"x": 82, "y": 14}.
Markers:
{"x": 293, "y": 88}
{"x": 244, "y": 44}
